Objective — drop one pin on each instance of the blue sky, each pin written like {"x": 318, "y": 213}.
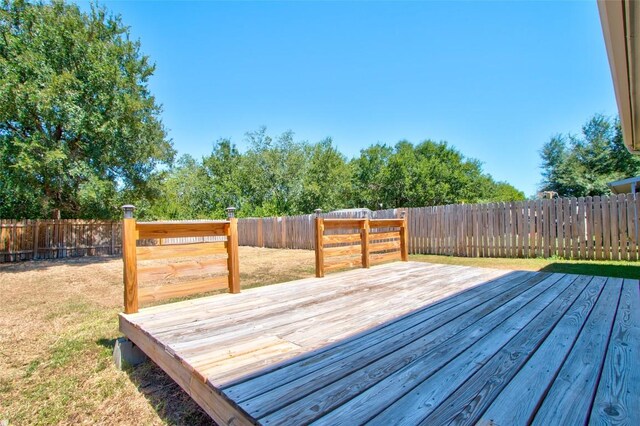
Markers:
{"x": 494, "y": 79}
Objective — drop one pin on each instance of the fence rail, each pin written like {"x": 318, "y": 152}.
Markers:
{"x": 579, "y": 228}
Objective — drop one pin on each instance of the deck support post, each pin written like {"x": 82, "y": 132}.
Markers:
{"x": 233, "y": 263}
{"x": 404, "y": 236}
{"x": 319, "y": 244}
{"x": 130, "y": 271}
{"x": 126, "y": 354}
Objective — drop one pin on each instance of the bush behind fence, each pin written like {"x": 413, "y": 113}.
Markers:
{"x": 577, "y": 228}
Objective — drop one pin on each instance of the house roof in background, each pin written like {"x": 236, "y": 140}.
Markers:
{"x": 620, "y": 21}
{"x": 626, "y": 186}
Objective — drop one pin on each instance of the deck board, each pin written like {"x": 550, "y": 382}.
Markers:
{"x": 406, "y": 343}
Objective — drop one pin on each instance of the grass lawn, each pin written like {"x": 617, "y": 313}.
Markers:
{"x": 58, "y": 322}
{"x": 609, "y": 268}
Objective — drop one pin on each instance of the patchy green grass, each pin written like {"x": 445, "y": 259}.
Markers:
{"x": 58, "y": 325}
{"x": 609, "y": 268}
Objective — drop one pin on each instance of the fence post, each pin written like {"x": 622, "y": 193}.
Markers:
{"x": 233, "y": 264}
{"x": 364, "y": 240}
{"x": 284, "y": 231}
{"x": 129, "y": 238}
{"x": 259, "y": 234}
{"x": 404, "y": 232}
{"x": 319, "y": 245}
{"x": 36, "y": 236}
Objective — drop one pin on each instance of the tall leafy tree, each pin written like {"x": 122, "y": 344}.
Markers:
{"x": 79, "y": 129}
{"x": 369, "y": 177}
{"x": 272, "y": 173}
{"x": 427, "y": 174}
{"x": 185, "y": 193}
{"x": 582, "y": 165}
{"x": 326, "y": 182}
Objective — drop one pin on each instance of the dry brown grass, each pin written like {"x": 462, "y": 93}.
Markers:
{"x": 58, "y": 322}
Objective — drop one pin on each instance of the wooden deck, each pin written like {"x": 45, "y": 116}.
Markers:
{"x": 407, "y": 343}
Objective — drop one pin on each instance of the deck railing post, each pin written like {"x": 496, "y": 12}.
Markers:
{"x": 233, "y": 263}
{"x": 319, "y": 244}
{"x": 404, "y": 237}
{"x": 130, "y": 271}
{"x": 364, "y": 241}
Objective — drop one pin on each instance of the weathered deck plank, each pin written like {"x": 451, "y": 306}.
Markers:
{"x": 618, "y": 396}
{"x": 406, "y": 343}
{"x": 465, "y": 404}
{"x": 569, "y": 399}
{"x": 366, "y": 368}
{"x": 415, "y": 392}
{"x": 383, "y": 340}
{"x": 517, "y": 403}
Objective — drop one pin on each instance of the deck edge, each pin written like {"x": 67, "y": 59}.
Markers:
{"x": 221, "y": 410}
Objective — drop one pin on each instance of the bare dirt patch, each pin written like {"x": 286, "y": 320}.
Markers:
{"x": 58, "y": 322}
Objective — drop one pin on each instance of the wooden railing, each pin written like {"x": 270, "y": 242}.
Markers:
{"x": 358, "y": 242}
{"x": 222, "y": 268}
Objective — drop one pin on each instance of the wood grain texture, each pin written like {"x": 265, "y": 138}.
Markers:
{"x": 166, "y": 271}
{"x": 233, "y": 260}
{"x": 364, "y": 244}
{"x": 174, "y": 251}
{"x": 319, "y": 246}
{"x": 519, "y": 400}
{"x": 130, "y": 266}
{"x": 617, "y": 399}
{"x": 569, "y": 399}
{"x": 172, "y": 291}
{"x": 465, "y": 405}
{"x": 343, "y": 223}
{"x": 150, "y": 230}
{"x": 385, "y": 257}
{"x": 389, "y": 245}
{"x": 379, "y": 236}
{"x": 386, "y": 223}
{"x": 340, "y": 239}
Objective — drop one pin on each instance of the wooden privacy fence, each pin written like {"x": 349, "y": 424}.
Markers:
{"x": 579, "y": 228}
{"x": 52, "y": 239}
{"x": 603, "y": 228}
{"x": 358, "y": 242}
{"x": 221, "y": 266}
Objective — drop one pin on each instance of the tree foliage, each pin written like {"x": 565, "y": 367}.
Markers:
{"x": 578, "y": 166}
{"x": 280, "y": 176}
{"x": 79, "y": 130}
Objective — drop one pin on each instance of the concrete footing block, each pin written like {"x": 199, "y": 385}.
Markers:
{"x": 125, "y": 353}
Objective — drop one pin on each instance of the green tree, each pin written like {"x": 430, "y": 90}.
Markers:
{"x": 185, "y": 191}
{"x": 427, "y": 174}
{"x": 271, "y": 174}
{"x": 577, "y": 166}
{"x": 326, "y": 182}
{"x": 79, "y": 130}
{"x": 368, "y": 177}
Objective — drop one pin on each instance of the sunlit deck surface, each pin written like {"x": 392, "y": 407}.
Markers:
{"x": 407, "y": 343}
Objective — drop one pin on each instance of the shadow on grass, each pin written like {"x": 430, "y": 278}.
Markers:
{"x": 173, "y": 405}
{"x": 597, "y": 269}
{"x": 106, "y": 343}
